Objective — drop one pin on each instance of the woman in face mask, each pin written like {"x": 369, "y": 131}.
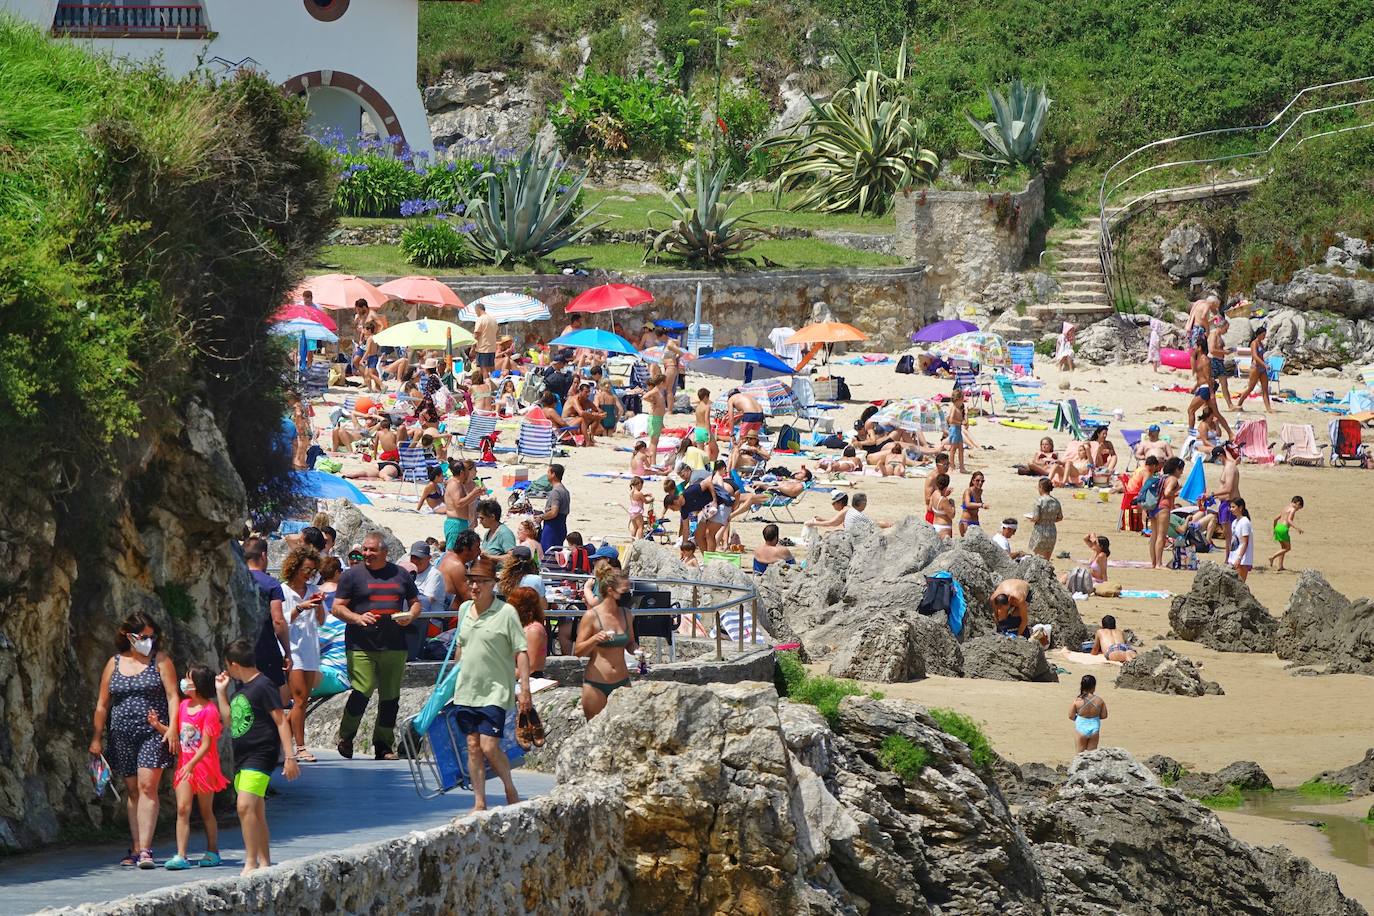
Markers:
{"x": 137, "y": 688}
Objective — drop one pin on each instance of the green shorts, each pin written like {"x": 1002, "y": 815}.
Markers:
{"x": 701, "y": 434}
{"x": 452, "y": 528}
{"x": 1281, "y": 534}
{"x": 655, "y": 425}
{"x": 253, "y": 782}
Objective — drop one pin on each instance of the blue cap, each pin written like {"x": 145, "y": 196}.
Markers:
{"x": 606, "y": 552}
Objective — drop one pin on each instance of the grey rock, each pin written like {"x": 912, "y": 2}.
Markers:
{"x": 1315, "y": 341}
{"x": 351, "y": 525}
{"x": 1032, "y": 781}
{"x": 1166, "y": 768}
{"x": 1358, "y": 776}
{"x": 1322, "y": 627}
{"x": 560, "y": 710}
{"x": 477, "y": 112}
{"x": 1113, "y": 340}
{"x": 1220, "y": 612}
{"x": 1002, "y": 659}
{"x": 1348, "y": 294}
{"x": 1244, "y": 774}
{"x": 1142, "y": 848}
{"x": 885, "y": 648}
{"x": 1162, "y": 670}
{"x": 1187, "y": 251}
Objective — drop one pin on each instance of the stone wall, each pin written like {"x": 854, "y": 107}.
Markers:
{"x": 967, "y": 238}
{"x": 887, "y": 302}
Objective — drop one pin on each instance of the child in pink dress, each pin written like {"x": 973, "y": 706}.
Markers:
{"x": 198, "y": 775}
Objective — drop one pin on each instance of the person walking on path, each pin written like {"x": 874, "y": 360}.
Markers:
{"x": 198, "y": 776}
{"x": 274, "y": 635}
{"x": 258, "y": 727}
{"x": 1086, "y": 713}
{"x": 489, "y": 637}
{"x": 556, "y": 510}
{"x": 303, "y": 607}
{"x": 138, "y": 684}
{"x": 1045, "y": 516}
{"x": 485, "y": 331}
{"x": 377, "y": 600}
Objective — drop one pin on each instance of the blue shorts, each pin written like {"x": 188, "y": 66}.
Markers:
{"x": 1203, "y": 392}
{"x": 481, "y": 720}
{"x": 956, "y": 435}
{"x": 486, "y": 360}
{"x": 372, "y": 361}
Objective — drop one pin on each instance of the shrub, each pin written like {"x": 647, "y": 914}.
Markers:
{"x": 960, "y": 726}
{"x": 824, "y": 693}
{"x": 899, "y": 755}
{"x": 747, "y": 117}
{"x": 374, "y": 183}
{"x": 1013, "y": 135}
{"x": 1321, "y": 788}
{"x": 643, "y": 116}
{"x": 435, "y": 243}
{"x": 458, "y": 177}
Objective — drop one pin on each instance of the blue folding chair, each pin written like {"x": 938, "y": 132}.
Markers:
{"x": 481, "y": 424}
{"x": 535, "y": 440}
{"x": 415, "y": 465}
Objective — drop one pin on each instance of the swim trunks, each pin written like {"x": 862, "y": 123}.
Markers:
{"x": 1281, "y": 533}
{"x": 655, "y": 425}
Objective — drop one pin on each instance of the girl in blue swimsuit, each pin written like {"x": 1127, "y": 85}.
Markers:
{"x": 1087, "y": 713}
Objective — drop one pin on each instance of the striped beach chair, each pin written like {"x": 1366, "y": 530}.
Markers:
{"x": 535, "y": 440}
{"x": 1022, "y": 354}
{"x": 415, "y": 464}
{"x": 481, "y": 424}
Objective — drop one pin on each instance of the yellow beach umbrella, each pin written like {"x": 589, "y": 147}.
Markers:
{"x": 426, "y": 332}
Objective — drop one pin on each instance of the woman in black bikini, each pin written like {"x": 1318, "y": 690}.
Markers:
{"x": 606, "y": 633}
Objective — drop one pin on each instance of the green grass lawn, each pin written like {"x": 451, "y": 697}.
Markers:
{"x": 387, "y": 260}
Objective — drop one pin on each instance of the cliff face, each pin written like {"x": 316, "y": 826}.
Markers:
{"x": 165, "y": 548}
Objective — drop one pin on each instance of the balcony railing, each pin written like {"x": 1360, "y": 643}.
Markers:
{"x": 109, "y": 20}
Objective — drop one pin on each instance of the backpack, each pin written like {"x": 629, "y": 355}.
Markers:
{"x": 906, "y": 365}
{"x": 842, "y": 392}
{"x": 937, "y": 598}
{"x": 1148, "y": 497}
{"x": 789, "y": 440}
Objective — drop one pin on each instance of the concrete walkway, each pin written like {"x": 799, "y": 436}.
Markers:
{"x": 335, "y": 804}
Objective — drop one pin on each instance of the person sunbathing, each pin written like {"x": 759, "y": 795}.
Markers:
{"x": 890, "y": 460}
{"x": 1092, "y": 571}
{"x": 1110, "y": 642}
{"x": 1071, "y": 470}
{"x": 847, "y": 463}
{"x": 788, "y": 488}
{"x": 1044, "y": 462}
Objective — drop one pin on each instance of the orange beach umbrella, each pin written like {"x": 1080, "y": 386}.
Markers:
{"x": 823, "y": 333}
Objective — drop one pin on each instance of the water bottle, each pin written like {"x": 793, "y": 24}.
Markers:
{"x": 643, "y": 662}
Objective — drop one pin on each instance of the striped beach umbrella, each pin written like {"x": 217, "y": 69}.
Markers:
{"x": 981, "y": 347}
{"x": 655, "y": 355}
{"x": 912, "y": 415}
{"x": 507, "y": 307}
{"x": 774, "y": 396}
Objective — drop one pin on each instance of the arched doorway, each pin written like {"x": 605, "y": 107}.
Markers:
{"x": 339, "y": 100}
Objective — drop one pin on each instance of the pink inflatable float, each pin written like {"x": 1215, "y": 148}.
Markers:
{"x": 1174, "y": 359}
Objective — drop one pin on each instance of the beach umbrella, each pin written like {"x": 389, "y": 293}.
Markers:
{"x": 670, "y": 324}
{"x": 942, "y": 330}
{"x": 774, "y": 396}
{"x": 1195, "y": 484}
{"x": 821, "y": 334}
{"x": 595, "y": 339}
{"x": 980, "y": 347}
{"x": 912, "y": 415}
{"x": 306, "y": 313}
{"x": 655, "y": 355}
{"x": 741, "y": 363}
{"x": 507, "y": 307}
{"x": 426, "y": 332}
{"x": 326, "y": 486}
{"x": 308, "y": 330}
{"x": 609, "y": 297}
{"x": 422, "y": 291}
{"x": 339, "y": 291}
{"x": 1367, "y": 375}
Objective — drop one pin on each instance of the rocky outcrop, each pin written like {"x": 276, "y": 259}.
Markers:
{"x": 1001, "y": 659}
{"x": 1358, "y": 776}
{"x": 1111, "y": 839}
{"x": 1242, "y": 774}
{"x": 1349, "y": 253}
{"x": 856, "y": 599}
{"x": 162, "y": 545}
{"x": 351, "y": 526}
{"x": 478, "y": 113}
{"x": 1346, "y": 293}
{"x": 1187, "y": 251}
{"x": 1322, "y": 627}
{"x": 1320, "y": 341}
{"x": 1113, "y": 340}
{"x": 1162, "y": 670}
{"x": 1220, "y": 612}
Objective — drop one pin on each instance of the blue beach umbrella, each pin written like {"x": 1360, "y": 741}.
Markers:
{"x": 1195, "y": 484}
{"x": 326, "y": 486}
{"x": 740, "y": 363}
{"x": 595, "y": 339}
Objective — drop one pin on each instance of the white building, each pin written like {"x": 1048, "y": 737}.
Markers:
{"x": 350, "y": 57}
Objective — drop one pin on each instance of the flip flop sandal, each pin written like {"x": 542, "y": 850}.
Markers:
{"x": 129, "y": 860}
{"x": 145, "y": 859}
{"x": 303, "y": 755}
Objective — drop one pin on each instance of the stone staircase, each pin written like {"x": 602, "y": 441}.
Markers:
{"x": 1082, "y": 297}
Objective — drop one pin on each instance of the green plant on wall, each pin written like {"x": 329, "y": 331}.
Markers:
{"x": 722, "y": 25}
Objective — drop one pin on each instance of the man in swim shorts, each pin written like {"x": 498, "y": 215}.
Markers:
{"x": 657, "y": 400}
{"x": 1009, "y": 607}
{"x": 745, "y": 411}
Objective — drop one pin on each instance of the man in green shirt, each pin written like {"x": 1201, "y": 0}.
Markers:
{"x": 497, "y": 539}
{"x": 490, "y": 638}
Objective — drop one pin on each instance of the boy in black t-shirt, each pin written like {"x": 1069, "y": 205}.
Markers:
{"x": 258, "y": 727}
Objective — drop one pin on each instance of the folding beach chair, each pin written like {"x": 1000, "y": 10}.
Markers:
{"x": 1022, "y": 354}
{"x": 1299, "y": 444}
{"x": 1347, "y": 443}
{"x": 1252, "y": 438}
{"x": 1012, "y": 400}
{"x": 481, "y": 425}
{"x": 809, "y": 409}
{"x": 701, "y": 338}
{"x": 1132, "y": 439}
{"x": 415, "y": 465}
{"x": 1275, "y": 366}
{"x": 965, "y": 376}
{"x": 1066, "y": 417}
{"x": 777, "y": 503}
{"x": 535, "y": 440}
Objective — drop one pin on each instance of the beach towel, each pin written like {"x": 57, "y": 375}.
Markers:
{"x": 1195, "y": 484}
{"x": 1253, "y": 441}
{"x": 1086, "y": 658}
{"x": 1144, "y": 593}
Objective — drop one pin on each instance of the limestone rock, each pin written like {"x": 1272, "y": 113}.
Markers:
{"x": 1166, "y": 768}
{"x": 1187, "y": 251}
{"x": 1113, "y": 340}
{"x": 1162, "y": 670}
{"x": 1349, "y": 294}
{"x": 477, "y": 112}
{"x": 560, "y": 709}
{"x": 1142, "y": 848}
{"x": 1323, "y": 627}
{"x": 351, "y": 525}
{"x": 1220, "y": 612}
{"x": 1358, "y": 776}
{"x": 1312, "y": 341}
{"x": 885, "y": 648}
{"x": 1244, "y": 774}
{"x": 1002, "y": 659}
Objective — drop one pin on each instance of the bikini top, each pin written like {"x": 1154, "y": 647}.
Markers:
{"x": 619, "y": 640}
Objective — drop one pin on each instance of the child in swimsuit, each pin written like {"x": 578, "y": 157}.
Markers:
{"x": 1087, "y": 712}
{"x": 973, "y": 503}
{"x": 701, "y": 432}
{"x": 637, "y": 508}
{"x": 957, "y": 418}
{"x": 1283, "y": 526}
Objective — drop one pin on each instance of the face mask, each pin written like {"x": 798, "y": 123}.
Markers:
{"x": 143, "y": 645}
{"x": 187, "y": 686}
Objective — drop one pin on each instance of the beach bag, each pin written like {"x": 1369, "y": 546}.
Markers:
{"x": 789, "y": 440}
{"x": 937, "y": 598}
{"x": 842, "y": 392}
{"x": 833, "y": 441}
{"x": 1148, "y": 497}
{"x": 906, "y": 365}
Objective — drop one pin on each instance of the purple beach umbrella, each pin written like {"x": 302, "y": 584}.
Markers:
{"x": 942, "y": 330}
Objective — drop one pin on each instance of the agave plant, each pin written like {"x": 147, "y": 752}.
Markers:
{"x": 1018, "y": 119}
{"x": 529, "y": 210}
{"x": 856, "y": 151}
{"x": 701, "y": 228}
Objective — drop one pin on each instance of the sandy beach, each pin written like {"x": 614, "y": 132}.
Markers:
{"x": 1292, "y": 726}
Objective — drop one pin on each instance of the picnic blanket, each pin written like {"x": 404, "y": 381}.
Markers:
{"x": 1086, "y": 658}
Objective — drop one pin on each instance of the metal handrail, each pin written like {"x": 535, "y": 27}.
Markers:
{"x": 1106, "y": 248}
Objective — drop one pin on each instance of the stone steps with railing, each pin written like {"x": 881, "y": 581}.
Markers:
{"x": 1082, "y": 294}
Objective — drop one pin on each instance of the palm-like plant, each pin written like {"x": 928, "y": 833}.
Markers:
{"x": 701, "y": 228}
{"x": 856, "y": 151}
{"x": 528, "y": 212}
{"x": 1018, "y": 119}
